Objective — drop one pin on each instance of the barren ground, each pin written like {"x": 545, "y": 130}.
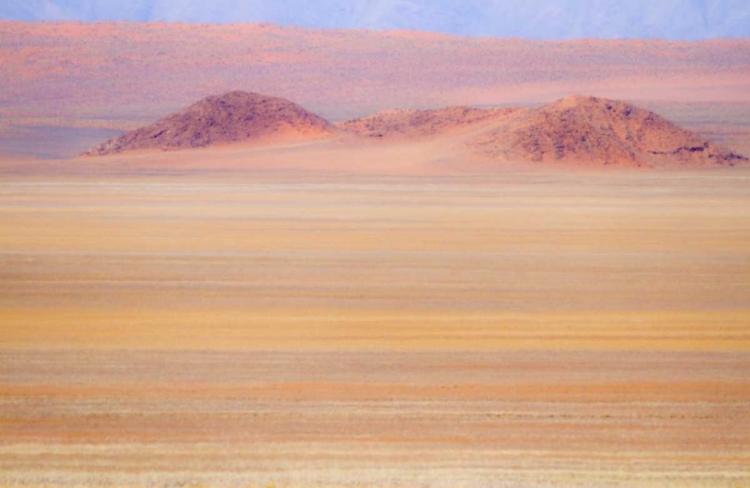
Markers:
{"x": 247, "y": 326}
{"x": 87, "y": 77}
{"x": 334, "y": 313}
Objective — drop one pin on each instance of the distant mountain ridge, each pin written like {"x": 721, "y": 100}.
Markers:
{"x": 536, "y": 19}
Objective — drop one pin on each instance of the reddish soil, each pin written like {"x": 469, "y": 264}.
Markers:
{"x": 594, "y": 131}
{"x": 233, "y": 117}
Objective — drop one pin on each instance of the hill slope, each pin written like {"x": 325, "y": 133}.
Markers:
{"x": 592, "y": 131}
{"x": 233, "y": 117}
{"x": 538, "y": 19}
{"x": 390, "y": 124}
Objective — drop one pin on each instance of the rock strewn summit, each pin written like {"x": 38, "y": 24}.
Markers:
{"x": 593, "y": 131}
{"x": 230, "y": 118}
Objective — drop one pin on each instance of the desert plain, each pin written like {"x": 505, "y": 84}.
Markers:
{"x": 343, "y": 312}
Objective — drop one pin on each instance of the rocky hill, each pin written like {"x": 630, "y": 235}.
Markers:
{"x": 421, "y": 123}
{"x": 230, "y": 118}
{"x": 591, "y": 131}
{"x": 574, "y": 131}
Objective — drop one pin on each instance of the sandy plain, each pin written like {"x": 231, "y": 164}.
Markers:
{"x": 277, "y": 316}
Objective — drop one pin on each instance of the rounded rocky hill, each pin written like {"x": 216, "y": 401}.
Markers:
{"x": 230, "y": 118}
{"x": 391, "y": 124}
{"x": 593, "y": 131}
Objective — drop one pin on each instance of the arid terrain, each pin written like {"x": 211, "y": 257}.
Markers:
{"x": 91, "y": 77}
{"x": 576, "y": 131}
{"x": 523, "y": 329}
{"x": 420, "y": 288}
